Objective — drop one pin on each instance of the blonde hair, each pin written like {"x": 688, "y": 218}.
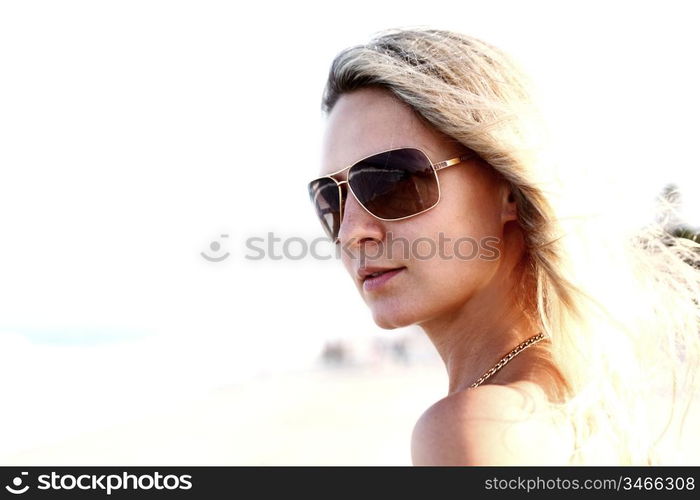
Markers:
{"x": 621, "y": 308}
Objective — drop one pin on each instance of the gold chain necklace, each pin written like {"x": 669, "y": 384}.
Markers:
{"x": 505, "y": 359}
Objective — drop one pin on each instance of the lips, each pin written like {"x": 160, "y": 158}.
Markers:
{"x": 377, "y": 281}
{"x": 374, "y": 275}
{"x": 373, "y": 272}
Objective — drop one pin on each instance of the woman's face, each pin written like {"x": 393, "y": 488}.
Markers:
{"x": 440, "y": 273}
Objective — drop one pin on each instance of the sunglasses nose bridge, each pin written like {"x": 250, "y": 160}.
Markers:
{"x": 357, "y": 223}
{"x": 345, "y": 192}
{"x": 343, "y": 186}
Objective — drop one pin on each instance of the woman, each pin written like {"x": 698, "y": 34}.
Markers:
{"x": 433, "y": 185}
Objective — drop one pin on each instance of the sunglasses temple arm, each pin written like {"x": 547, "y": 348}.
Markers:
{"x": 452, "y": 161}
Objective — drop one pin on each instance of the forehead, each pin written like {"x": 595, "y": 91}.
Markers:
{"x": 368, "y": 121}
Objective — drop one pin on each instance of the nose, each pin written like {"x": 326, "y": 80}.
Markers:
{"x": 358, "y": 225}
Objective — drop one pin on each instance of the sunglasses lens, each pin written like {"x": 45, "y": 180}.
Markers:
{"x": 395, "y": 184}
{"x": 325, "y": 195}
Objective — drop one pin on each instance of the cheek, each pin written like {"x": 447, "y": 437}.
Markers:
{"x": 463, "y": 227}
{"x": 469, "y": 205}
{"x": 470, "y": 218}
{"x": 464, "y": 240}
{"x": 459, "y": 266}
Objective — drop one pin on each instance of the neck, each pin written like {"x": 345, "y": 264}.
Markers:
{"x": 476, "y": 335}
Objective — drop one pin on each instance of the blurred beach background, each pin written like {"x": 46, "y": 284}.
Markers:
{"x": 147, "y": 148}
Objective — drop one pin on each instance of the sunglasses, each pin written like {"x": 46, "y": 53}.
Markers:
{"x": 391, "y": 185}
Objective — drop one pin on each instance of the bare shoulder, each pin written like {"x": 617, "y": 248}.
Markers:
{"x": 491, "y": 425}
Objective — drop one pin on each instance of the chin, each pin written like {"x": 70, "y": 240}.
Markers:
{"x": 396, "y": 318}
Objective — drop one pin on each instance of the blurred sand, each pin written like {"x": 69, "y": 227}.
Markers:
{"x": 333, "y": 416}
{"x": 361, "y": 415}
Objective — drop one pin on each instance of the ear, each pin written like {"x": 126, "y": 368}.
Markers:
{"x": 510, "y": 209}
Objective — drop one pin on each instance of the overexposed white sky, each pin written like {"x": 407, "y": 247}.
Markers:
{"x": 135, "y": 133}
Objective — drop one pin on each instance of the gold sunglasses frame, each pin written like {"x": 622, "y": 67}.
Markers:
{"x": 435, "y": 166}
